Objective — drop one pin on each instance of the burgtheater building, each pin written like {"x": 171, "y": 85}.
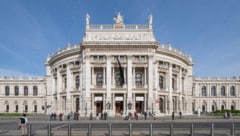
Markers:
{"x": 118, "y": 68}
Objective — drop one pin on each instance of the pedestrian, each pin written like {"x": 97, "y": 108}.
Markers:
{"x": 225, "y": 115}
{"x": 23, "y": 124}
{"x": 173, "y": 115}
{"x": 136, "y": 115}
{"x": 60, "y": 116}
{"x": 180, "y": 114}
{"x": 145, "y": 115}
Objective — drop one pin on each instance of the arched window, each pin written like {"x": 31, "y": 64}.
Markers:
{"x": 99, "y": 79}
{"x": 213, "y": 91}
{"x": 139, "y": 80}
{"x": 223, "y": 92}
{"x": 6, "y": 103}
{"x": 16, "y": 90}
{"x": 7, "y": 91}
{"x": 161, "y": 82}
{"x": 25, "y": 93}
{"x": 232, "y": 91}
{"x": 204, "y": 91}
{"x": 77, "y": 82}
{"x": 35, "y": 90}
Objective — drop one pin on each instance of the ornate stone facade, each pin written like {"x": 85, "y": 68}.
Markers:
{"x": 121, "y": 68}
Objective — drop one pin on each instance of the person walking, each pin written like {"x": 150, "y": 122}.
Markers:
{"x": 180, "y": 114}
{"x": 173, "y": 114}
{"x": 23, "y": 124}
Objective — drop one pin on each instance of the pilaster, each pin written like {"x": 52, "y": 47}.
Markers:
{"x": 170, "y": 89}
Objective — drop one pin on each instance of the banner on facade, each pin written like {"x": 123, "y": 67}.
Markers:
{"x": 98, "y": 98}
{"x": 118, "y": 98}
{"x": 139, "y": 98}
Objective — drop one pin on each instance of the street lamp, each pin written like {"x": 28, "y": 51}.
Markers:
{"x": 129, "y": 105}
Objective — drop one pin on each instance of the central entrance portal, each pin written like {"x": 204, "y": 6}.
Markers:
{"x": 99, "y": 104}
{"x": 119, "y": 108}
{"x": 118, "y": 105}
{"x": 139, "y": 104}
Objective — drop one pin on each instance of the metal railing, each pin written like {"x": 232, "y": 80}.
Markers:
{"x": 191, "y": 128}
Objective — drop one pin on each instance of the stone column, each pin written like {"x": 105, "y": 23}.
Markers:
{"x": 145, "y": 77}
{"x": 125, "y": 77}
{"x": 133, "y": 78}
{"x": 93, "y": 84}
{"x": 88, "y": 77}
{"x": 113, "y": 77}
{"x": 180, "y": 89}
{"x": 170, "y": 89}
{"x": 104, "y": 77}
{"x": 68, "y": 89}
{"x": 109, "y": 78}
{"x": 150, "y": 81}
{"x": 157, "y": 88}
{"x": 59, "y": 90}
{"x": 129, "y": 81}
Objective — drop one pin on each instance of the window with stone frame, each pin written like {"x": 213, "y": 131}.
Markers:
{"x": 35, "y": 91}
{"x": 232, "y": 91}
{"x": 25, "y": 91}
{"x": 213, "y": 91}
{"x": 139, "y": 79}
{"x": 16, "y": 90}
{"x": 161, "y": 80}
{"x": 16, "y": 108}
{"x": 223, "y": 91}
{"x": 99, "y": 79}
{"x": 118, "y": 79}
{"x": 204, "y": 91}
{"x": 7, "y": 91}
{"x": 77, "y": 82}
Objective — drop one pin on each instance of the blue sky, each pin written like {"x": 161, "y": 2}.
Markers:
{"x": 208, "y": 30}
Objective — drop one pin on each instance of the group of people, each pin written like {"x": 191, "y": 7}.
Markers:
{"x": 136, "y": 115}
{"x": 75, "y": 116}
{"x": 180, "y": 115}
{"x": 227, "y": 115}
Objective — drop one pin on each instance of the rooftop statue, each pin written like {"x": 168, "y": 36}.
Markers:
{"x": 150, "y": 19}
{"x": 118, "y": 18}
{"x": 87, "y": 19}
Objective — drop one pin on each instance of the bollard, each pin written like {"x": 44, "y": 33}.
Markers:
{"x": 233, "y": 129}
{"x": 191, "y": 131}
{"x": 49, "y": 129}
{"x": 130, "y": 129}
{"x": 150, "y": 130}
{"x": 89, "y": 130}
{"x": 69, "y": 129}
{"x": 212, "y": 130}
{"x": 109, "y": 129}
{"x": 29, "y": 129}
{"x": 171, "y": 130}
